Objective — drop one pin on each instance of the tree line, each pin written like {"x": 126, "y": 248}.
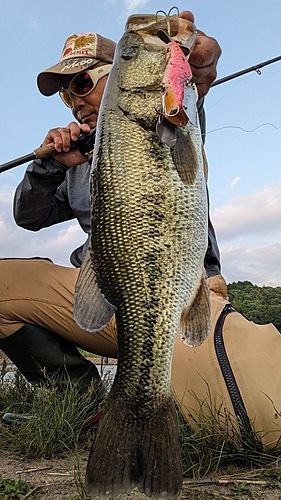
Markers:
{"x": 259, "y": 304}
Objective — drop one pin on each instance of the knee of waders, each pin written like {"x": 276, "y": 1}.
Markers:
{"x": 38, "y": 352}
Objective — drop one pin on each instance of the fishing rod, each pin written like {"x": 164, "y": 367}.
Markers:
{"x": 256, "y": 68}
{"x": 85, "y": 142}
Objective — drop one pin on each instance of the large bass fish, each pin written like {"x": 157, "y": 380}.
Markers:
{"x": 145, "y": 262}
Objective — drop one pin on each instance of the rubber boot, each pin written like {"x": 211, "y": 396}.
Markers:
{"x": 39, "y": 353}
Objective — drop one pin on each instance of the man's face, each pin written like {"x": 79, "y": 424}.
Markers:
{"x": 83, "y": 93}
{"x": 85, "y": 109}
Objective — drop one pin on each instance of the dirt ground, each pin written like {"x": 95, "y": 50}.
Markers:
{"x": 55, "y": 480}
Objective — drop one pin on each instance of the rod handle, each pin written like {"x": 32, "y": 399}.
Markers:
{"x": 85, "y": 144}
{"x": 44, "y": 151}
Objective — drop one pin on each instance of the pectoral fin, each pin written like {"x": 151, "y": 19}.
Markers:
{"x": 195, "y": 320}
{"x": 185, "y": 157}
{"x": 91, "y": 311}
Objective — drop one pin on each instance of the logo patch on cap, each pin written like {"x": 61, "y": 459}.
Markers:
{"x": 79, "y": 46}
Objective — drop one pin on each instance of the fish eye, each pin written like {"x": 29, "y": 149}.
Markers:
{"x": 129, "y": 52}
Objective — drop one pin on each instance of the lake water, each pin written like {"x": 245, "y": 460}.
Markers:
{"x": 106, "y": 371}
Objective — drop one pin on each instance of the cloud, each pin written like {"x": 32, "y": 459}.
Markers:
{"x": 55, "y": 242}
{"x": 256, "y": 213}
{"x": 259, "y": 264}
{"x": 234, "y": 182}
{"x": 133, "y": 5}
{"x": 60, "y": 241}
{"x": 249, "y": 237}
{"x": 6, "y": 200}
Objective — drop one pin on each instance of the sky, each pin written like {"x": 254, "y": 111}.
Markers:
{"x": 243, "y": 121}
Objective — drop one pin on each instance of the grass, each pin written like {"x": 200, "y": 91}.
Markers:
{"x": 59, "y": 417}
{"x": 59, "y": 426}
{"x": 240, "y": 489}
{"x": 13, "y": 489}
{"x": 214, "y": 442}
{"x": 273, "y": 477}
{"x": 79, "y": 478}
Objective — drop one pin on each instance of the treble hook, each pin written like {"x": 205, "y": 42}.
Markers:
{"x": 158, "y": 12}
{"x": 166, "y": 37}
{"x": 167, "y": 20}
{"x": 172, "y": 8}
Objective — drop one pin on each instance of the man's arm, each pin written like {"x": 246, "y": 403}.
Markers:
{"x": 41, "y": 199}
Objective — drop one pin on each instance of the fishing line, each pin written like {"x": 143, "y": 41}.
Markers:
{"x": 249, "y": 131}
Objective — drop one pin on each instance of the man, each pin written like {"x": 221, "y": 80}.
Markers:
{"x": 37, "y": 329}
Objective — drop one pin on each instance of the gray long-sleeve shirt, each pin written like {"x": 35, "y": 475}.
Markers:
{"x": 51, "y": 193}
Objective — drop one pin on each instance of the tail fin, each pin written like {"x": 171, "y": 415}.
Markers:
{"x": 130, "y": 451}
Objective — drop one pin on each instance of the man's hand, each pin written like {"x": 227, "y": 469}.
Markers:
{"x": 62, "y": 137}
{"x": 203, "y": 58}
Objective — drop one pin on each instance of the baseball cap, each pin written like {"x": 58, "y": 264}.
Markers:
{"x": 79, "y": 53}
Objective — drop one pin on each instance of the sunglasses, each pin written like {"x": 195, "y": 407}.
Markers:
{"x": 83, "y": 83}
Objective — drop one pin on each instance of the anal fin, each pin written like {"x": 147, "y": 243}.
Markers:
{"x": 195, "y": 320}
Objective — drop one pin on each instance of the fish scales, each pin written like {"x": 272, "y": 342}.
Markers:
{"x": 148, "y": 226}
{"x": 148, "y": 241}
